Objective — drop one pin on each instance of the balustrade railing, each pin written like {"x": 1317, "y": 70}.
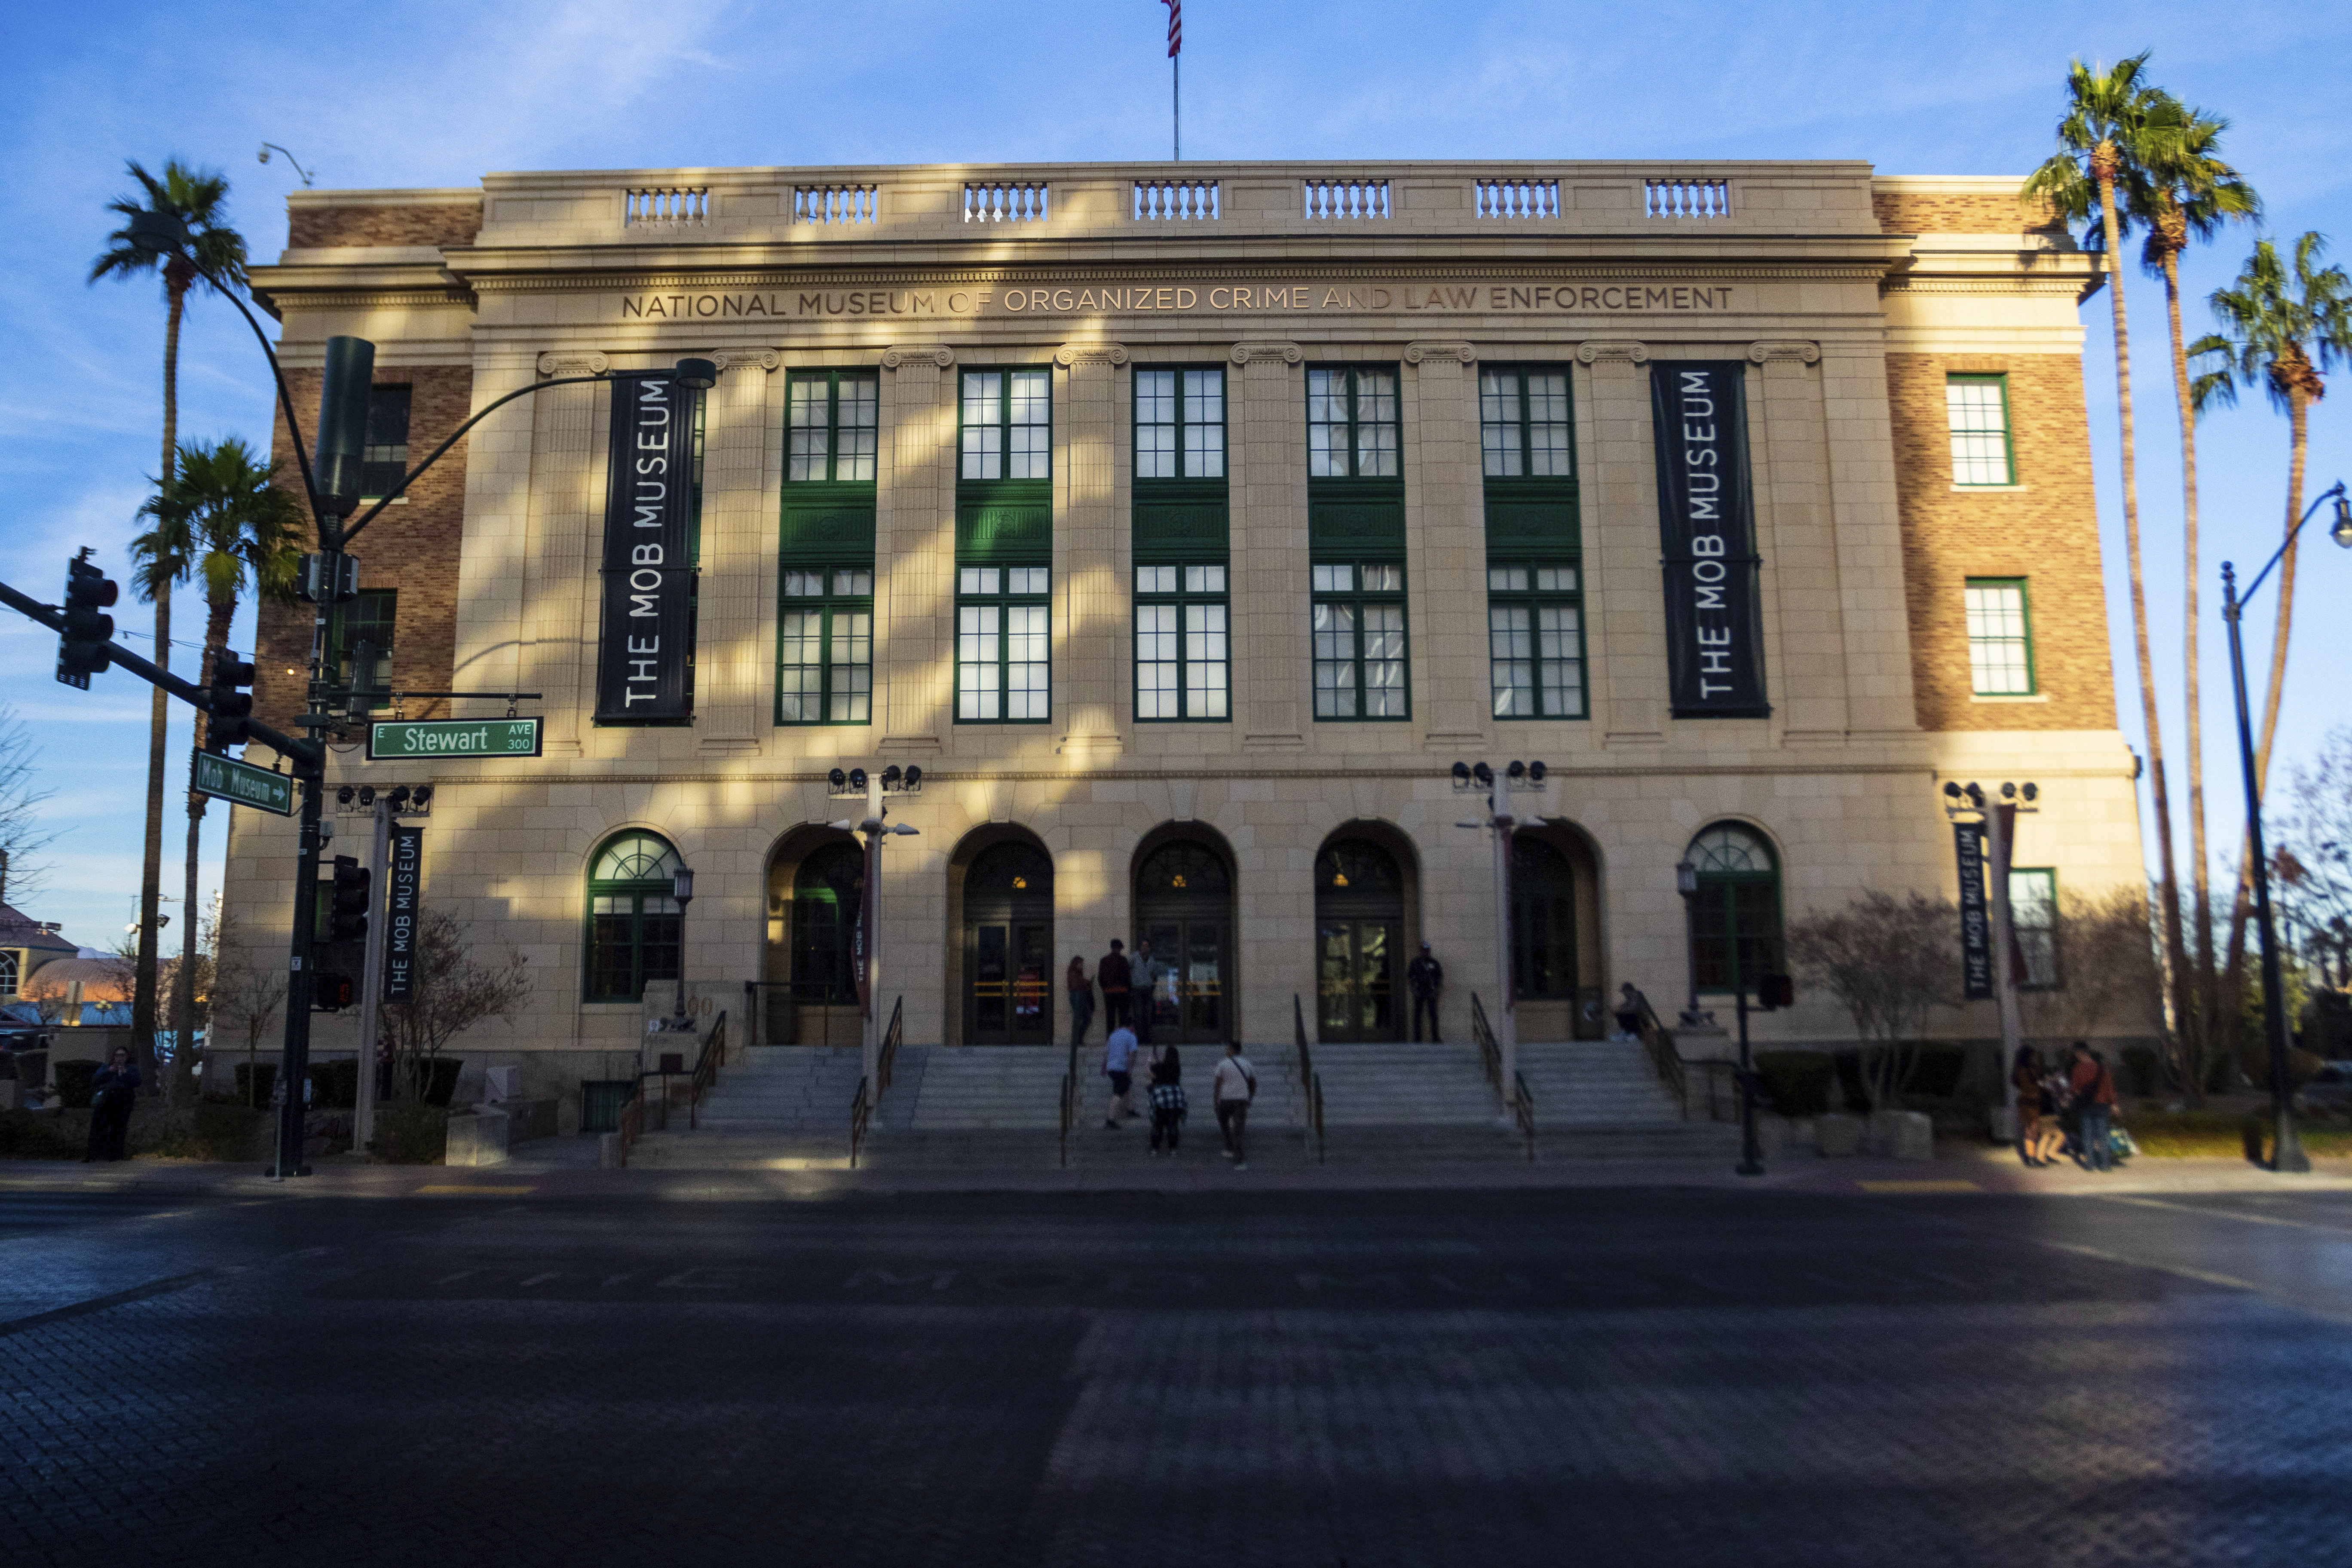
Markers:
{"x": 1165, "y": 200}
{"x": 1017, "y": 201}
{"x": 665, "y": 205}
{"x": 1686, "y": 198}
{"x": 837, "y": 204}
{"x": 1346, "y": 198}
{"x": 1519, "y": 198}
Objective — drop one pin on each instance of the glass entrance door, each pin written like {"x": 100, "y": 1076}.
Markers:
{"x": 1189, "y": 1006}
{"x": 1009, "y": 962}
{"x": 1356, "y": 994}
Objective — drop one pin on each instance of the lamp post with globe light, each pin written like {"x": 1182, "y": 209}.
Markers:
{"x": 876, "y": 825}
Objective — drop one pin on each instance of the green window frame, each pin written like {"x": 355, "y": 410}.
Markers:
{"x": 1354, "y": 428}
{"x": 635, "y": 930}
{"x": 825, "y": 645}
{"x": 1179, "y": 422}
{"x": 2000, "y": 616}
{"x": 1358, "y": 629}
{"x": 383, "y": 454}
{"x": 11, "y": 966}
{"x": 1005, "y": 645}
{"x": 1183, "y": 645}
{"x": 1535, "y": 639}
{"x": 1976, "y": 408}
{"x": 1004, "y": 425}
{"x": 1736, "y": 930}
{"x": 2033, "y": 924}
{"x": 373, "y": 618}
{"x": 833, "y": 426}
{"x": 1525, "y": 423}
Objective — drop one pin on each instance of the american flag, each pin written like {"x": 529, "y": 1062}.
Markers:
{"x": 1175, "y": 26}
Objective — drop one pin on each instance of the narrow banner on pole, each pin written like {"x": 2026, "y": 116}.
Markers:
{"x": 1706, "y": 524}
{"x": 1976, "y": 923}
{"x": 400, "y": 912}
{"x": 644, "y": 659}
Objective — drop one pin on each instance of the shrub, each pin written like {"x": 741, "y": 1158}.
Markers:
{"x": 1851, "y": 1086}
{"x": 1797, "y": 1082}
{"x": 264, "y": 1079}
{"x": 411, "y": 1134}
{"x": 2140, "y": 1066}
{"x": 34, "y": 1136}
{"x": 441, "y": 1083}
{"x": 73, "y": 1083}
{"x": 335, "y": 1086}
{"x": 220, "y": 1130}
{"x": 1937, "y": 1075}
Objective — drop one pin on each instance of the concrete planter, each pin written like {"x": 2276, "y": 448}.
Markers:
{"x": 1837, "y": 1137}
{"x": 1902, "y": 1135}
{"x": 476, "y": 1138}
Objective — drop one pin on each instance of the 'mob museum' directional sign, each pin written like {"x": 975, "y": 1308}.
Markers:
{"x": 392, "y": 739}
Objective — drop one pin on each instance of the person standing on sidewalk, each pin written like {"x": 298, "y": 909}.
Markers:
{"x": 1424, "y": 977}
{"x": 1082, "y": 1000}
{"x": 1113, "y": 975}
{"x": 1167, "y": 1098}
{"x": 1145, "y": 974}
{"x": 112, "y": 1088}
{"x": 2093, "y": 1089}
{"x": 1234, "y": 1089}
{"x": 1119, "y": 1065}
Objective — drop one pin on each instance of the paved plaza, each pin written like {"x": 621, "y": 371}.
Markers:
{"x": 237, "y": 1374}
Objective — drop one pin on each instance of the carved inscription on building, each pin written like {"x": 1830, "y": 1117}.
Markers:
{"x": 1598, "y": 295}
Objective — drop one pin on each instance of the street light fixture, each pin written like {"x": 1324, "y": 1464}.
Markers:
{"x": 2286, "y": 1147}
{"x": 1501, "y": 823}
{"x": 681, "y": 888}
{"x": 1686, "y": 884}
{"x": 873, "y": 827}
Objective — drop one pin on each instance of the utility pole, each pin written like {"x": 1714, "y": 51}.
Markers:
{"x": 371, "y": 976}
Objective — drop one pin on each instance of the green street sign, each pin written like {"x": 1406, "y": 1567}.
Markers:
{"x": 392, "y": 739}
{"x": 244, "y": 784}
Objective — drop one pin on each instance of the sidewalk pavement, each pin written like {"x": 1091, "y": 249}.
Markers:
{"x": 561, "y": 1171}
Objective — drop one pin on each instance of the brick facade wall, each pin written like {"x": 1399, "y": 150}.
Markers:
{"x": 447, "y": 225}
{"x": 2045, "y": 531}
{"x": 411, "y": 549}
{"x": 1905, "y": 212}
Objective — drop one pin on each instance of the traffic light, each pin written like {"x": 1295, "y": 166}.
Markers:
{"x": 347, "y": 914}
{"x": 333, "y": 993}
{"x": 89, "y": 630}
{"x": 327, "y": 579}
{"x": 1774, "y": 991}
{"x": 231, "y": 705}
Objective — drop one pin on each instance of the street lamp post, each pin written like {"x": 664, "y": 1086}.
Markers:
{"x": 1686, "y": 884}
{"x": 1500, "y": 823}
{"x": 682, "y": 890}
{"x": 874, "y": 827}
{"x": 2286, "y": 1148}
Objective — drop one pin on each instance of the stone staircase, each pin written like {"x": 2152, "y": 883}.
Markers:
{"x": 1397, "y": 1101}
{"x": 1599, "y": 1100}
{"x": 770, "y": 1104}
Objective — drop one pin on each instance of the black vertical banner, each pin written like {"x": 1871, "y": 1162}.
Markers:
{"x": 644, "y": 657}
{"x": 1976, "y": 921}
{"x": 1706, "y": 524}
{"x": 400, "y": 912}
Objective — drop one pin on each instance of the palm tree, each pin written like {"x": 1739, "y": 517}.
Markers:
{"x": 225, "y": 512}
{"x": 159, "y": 563}
{"x": 2186, "y": 194}
{"x": 215, "y": 258}
{"x": 2284, "y": 329}
{"x": 2105, "y": 140}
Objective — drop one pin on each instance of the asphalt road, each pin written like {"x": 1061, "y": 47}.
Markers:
{"x": 1297, "y": 1378}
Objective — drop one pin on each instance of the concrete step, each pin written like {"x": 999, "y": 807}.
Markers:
{"x": 1395, "y": 1086}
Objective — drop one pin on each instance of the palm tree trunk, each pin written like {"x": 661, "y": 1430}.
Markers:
{"x": 184, "y": 988}
{"x": 159, "y": 713}
{"x": 2176, "y": 962}
{"x": 2193, "y": 1004}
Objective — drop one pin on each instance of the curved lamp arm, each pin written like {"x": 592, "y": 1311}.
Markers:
{"x": 438, "y": 452}
{"x": 2336, "y": 491}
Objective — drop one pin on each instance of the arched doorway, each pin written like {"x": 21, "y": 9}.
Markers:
{"x": 634, "y": 934}
{"x": 1556, "y": 953}
{"x": 1008, "y": 946}
{"x": 1736, "y": 916}
{"x": 1359, "y": 930}
{"x": 816, "y": 889}
{"x": 1184, "y": 909}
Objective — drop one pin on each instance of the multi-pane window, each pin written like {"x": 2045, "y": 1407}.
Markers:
{"x": 1182, "y": 649}
{"x": 2033, "y": 924}
{"x": 1351, "y": 423}
{"x": 1359, "y": 642}
{"x": 832, "y": 425}
{"x": 1003, "y": 646}
{"x": 1535, "y": 641}
{"x": 1179, "y": 425}
{"x": 1979, "y": 409}
{"x": 384, "y": 459}
{"x": 634, "y": 918}
{"x": 369, "y": 619}
{"x": 1008, "y": 425}
{"x": 1735, "y": 914}
{"x": 825, "y": 657}
{"x": 2001, "y": 637}
{"x": 1523, "y": 424}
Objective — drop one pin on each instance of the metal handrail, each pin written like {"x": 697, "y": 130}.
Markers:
{"x": 1664, "y": 1060}
{"x": 893, "y": 1036}
{"x": 1490, "y": 1054}
{"x": 1524, "y": 1107}
{"x": 1069, "y": 1102}
{"x": 861, "y": 1111}
{"x": 1310, "y": 1086}
{"x": 706, "y": 1073}
{"x": 762, "y": 997}
{"x": 706, "y": 1069}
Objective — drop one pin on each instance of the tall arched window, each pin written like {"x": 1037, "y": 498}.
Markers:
{"x": 827, "y": 892}
{"x": 1543, "y": 921}
{"x": 1736, "y": 916}
{"x": 7, "y": 974}
{"x": 633, "y": 916}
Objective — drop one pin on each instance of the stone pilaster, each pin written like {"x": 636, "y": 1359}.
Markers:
{"x": 1625, "y": 634}
{"x": 1090, "y": 596}
{"x": 1446, "y": 550}
{"x": 914, "y": 552}
{"x": 1806, "y": 663}
{"x": 738, "y": 537}
{"x": 495, "y": 584}
{"x": 1267, "y": 420}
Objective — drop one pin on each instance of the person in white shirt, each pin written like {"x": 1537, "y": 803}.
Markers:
{"x": 1118, "y": 1065}
{"x": 1236, "y": 1086}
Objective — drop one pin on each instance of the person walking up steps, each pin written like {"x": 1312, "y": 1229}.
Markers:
{"x": 1167, "y": 1098}
{"x": 1082, "y": 1000}
{"x": 1119, "y": 1065}
{"x": 1113, "y": 977}
{"x": 1236, "y": 1086}
{"x": 1424, "y": 977}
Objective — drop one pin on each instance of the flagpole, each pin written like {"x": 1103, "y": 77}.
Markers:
{"x": 1176, "y": 89}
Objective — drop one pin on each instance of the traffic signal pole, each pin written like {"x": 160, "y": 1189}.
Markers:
{"x": 372, "y": 977}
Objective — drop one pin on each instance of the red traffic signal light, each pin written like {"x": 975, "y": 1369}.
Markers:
{"x": 333, "y": 993}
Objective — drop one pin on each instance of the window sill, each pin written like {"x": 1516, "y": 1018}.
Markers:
{"x": 378, "y": 500}
{"x": 1990, "y": 489}
{"x": 1982, "y": 696}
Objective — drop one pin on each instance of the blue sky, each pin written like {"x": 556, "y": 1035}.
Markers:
{"x": 391, "y": 94}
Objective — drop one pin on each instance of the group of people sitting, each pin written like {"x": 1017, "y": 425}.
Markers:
{"x": 2066, "y": 1111}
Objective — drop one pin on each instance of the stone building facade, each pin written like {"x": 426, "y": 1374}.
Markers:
{"x": 1301, "y": 477}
